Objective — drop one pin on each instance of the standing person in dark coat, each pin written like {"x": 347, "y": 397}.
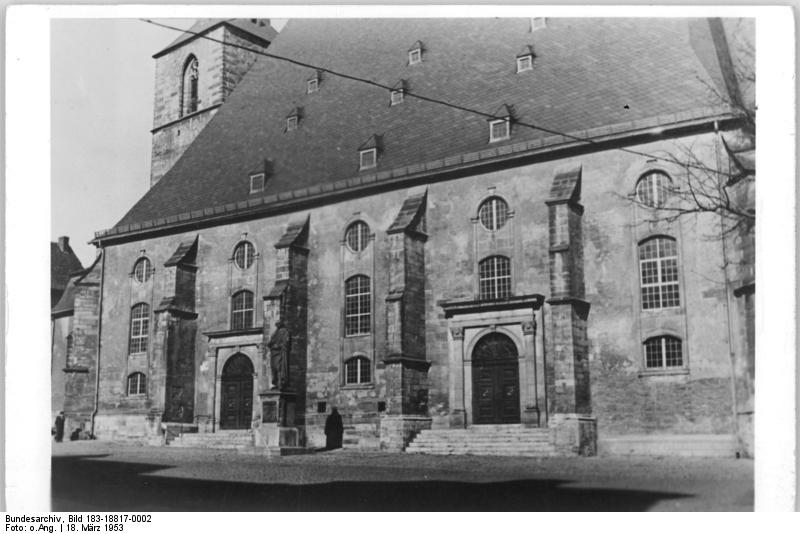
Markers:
{"x": 59, "y": 427}
{"x": 334, "y": 430}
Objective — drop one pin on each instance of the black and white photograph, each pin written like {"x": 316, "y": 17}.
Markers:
{"x": 445, "y": 261}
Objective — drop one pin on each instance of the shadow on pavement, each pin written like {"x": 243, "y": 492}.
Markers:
{"x": 81, "y": 484}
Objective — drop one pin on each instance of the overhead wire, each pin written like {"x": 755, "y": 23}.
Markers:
{"x": 430, "y": 99}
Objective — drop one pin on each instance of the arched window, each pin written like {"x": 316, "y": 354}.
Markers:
{"x": 357, "y": 371}
{"x": 242, "y": 310}
{"x": 493, "y": 213}
{"x": 357, "y": 305}
{"x": 142, "y": 270}
{"x": 244, "y": 254}
{"x": 658, "y": 265}
{"x": 357, "y": 236}
{"x": 654, "y": 189}
{"x": 137, "y": 384}
{"x": 140, "y": 326}
{"x": 189, "y": 99}
{"x": 663, "y": 352}
{"x": 495, "y": 278}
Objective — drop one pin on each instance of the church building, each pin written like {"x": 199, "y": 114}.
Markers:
{"x": 432, "y": 225}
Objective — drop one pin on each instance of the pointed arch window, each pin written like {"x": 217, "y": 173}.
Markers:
{"x": 140, "y": 326}
{"x": 242, "y": 310}
{"x": 658, "y": 268}
{"x": 189, "y": 98}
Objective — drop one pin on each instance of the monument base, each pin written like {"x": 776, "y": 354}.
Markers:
{"x": 574, "y": 433}
{"x": 276, "y": 430}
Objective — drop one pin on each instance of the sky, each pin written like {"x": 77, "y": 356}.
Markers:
{"x": 101, "y": 101}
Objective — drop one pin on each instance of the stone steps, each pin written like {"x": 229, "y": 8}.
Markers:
{"x": 708, "y": 445}
{"x": 222, "y": 439}
{"x": 485, "y": 440}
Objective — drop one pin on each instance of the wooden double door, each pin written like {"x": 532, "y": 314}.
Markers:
{"x": 495, "y": 380}
{"x": 237, "y": 393}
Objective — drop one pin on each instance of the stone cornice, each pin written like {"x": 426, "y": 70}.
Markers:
{"x": 460, "y": 307}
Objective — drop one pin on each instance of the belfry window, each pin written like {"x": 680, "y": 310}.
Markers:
{"x": 357, "y": 305}
{"x": 658, "y": 267}
{"x": 494, "y": 275}
{"x": 663, "y": 352}
{"x": 189, "y": 98}
{"x": 493, "y": 213}
{"x": 357, "y": 371}
{"x": 140, "y": 325}
{"x": 137, "y": 384}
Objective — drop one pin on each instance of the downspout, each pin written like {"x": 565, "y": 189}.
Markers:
{"x": 99, "y": 337}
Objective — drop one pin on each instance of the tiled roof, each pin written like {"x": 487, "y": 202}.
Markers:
{"x": 566, "y": 184}
{"x": 590, "y": 75}
{"x": 184, "y": 253}
{"x": 296, "y": 234}
{"x": 62, "y": 264}
{"x": 261, "y": 28}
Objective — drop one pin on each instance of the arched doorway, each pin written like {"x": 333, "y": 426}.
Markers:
{"x": 495, "y": 380}
{"x": 236, "y": 410}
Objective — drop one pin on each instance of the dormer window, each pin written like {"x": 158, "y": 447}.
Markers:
{"x": 293, "y": 119}
{"x": 499, "y": 129}
{"x": 415, "y": 53}
{"x": 368, "y": 159}
{"x": 525, "y": 59}
{"x": 524, "y": 63}
{"x": 537, "y": 23}
{"x": 312, "y": 84}
{"x": 398, "y": 93}
{"x": 257, "y": 182}
{"x": 368, "y": 152}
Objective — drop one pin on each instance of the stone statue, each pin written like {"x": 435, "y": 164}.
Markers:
{"x": 279, "y": 346}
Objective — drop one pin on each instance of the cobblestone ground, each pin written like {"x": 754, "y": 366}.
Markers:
{"x": 110, "y": 476}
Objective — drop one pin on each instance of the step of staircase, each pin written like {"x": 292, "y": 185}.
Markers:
{"x": 221, "y": 439}
{"x": 485, "y": 440}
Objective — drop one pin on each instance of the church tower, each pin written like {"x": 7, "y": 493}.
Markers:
{"x": 195, "y": 74}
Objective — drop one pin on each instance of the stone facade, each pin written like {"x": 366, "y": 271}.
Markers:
{"x": 576, "y": 366}
{"x": 220, "y": 68}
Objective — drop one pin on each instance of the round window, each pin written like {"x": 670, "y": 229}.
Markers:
{"x": 141, "y": 270}
{"x": 493, "y": 213}
{"x": 357, "y": 236}
{"x": 244, "y": 254}
{"x": 654, "y": 189}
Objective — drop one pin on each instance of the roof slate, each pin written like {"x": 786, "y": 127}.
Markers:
{"x": 589, "y": 74}
{"x": 62, "y": 264}
{"x": 409, "y": 214}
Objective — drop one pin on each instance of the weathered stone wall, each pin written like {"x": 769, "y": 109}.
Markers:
{"x": 62, "y": 327}
{"x": 624, "y": 399}
{"x": 220, "y": 70}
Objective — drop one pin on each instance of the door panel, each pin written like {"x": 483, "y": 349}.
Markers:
{"x": 495, "y": 381}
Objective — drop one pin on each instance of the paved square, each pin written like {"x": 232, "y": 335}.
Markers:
{"x": 95, "y": 476}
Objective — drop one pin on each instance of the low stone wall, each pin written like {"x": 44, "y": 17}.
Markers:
{"x": 574, "y": 434}
{"x": 140, "y": 426}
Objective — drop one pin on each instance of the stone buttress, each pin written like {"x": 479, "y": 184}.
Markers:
{"x": 567, "y": 367}
{"x": 172, "y": 367}
{"x": 405, "y": 365}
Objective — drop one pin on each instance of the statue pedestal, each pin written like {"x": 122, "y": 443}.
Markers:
{"x": 276, "y": 430}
